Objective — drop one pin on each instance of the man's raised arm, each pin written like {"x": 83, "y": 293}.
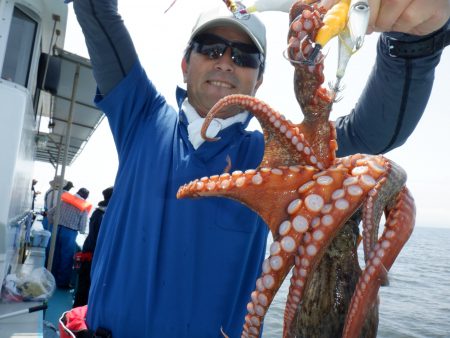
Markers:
{"x": 395, "y": 96}
{"x": 109, "y": 44}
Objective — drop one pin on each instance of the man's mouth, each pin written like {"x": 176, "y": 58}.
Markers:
{"x": 221, "y": 84}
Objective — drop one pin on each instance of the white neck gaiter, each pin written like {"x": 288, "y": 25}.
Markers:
{"x": 195, "y": 123}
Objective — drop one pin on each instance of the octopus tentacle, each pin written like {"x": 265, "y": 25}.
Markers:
{"x": 347, "y": 185}
{"x": 315, "y": 100}
{"x": 376, "y": 203}
{"x": 281, "y": 136}
{"x": 271, "y": 187}
{"x": 398, "y": 229}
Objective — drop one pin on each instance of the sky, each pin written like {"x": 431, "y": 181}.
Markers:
{"x": 160, "y": 40}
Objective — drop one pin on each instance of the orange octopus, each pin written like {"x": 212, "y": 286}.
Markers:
{"x": 306, "y": 195}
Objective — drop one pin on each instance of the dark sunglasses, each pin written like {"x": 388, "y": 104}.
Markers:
{"x": 242, "y": 54}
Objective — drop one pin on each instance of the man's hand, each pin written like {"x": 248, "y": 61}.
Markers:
{"x": 416, "y": 17}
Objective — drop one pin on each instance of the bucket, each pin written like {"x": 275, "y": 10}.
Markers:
{"x": 40, "y": 238}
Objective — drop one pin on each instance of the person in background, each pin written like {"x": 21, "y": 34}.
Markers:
{"x": 68, "y": 186}
{"x": 181, "y": 268}
{"x": 72, "y": 219}
{"x": 34, "y": 193}
{"x": 51, "y": 199}
{"x": 50, "y": 202}
{"x": 85, "y": 257}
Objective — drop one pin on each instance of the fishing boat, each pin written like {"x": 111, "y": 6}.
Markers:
{"x": 47, "y": 115}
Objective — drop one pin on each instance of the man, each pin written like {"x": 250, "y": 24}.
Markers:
{"x": 51, "y": 199}
{"x": 73, "y": 218}
{"x": 34, "y": 194}
{"x": 182, "y": 268}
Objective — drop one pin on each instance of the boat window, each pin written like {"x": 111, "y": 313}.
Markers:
{"x": 19, "y": 49}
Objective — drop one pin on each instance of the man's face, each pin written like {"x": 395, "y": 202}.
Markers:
{"x": 209, "y": 80}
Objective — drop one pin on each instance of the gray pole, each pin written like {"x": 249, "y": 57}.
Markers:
{"x": 63, "y": 169}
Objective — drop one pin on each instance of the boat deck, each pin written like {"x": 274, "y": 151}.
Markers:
{"x": 40, "y": 324}
{"x": 60, "y": 302}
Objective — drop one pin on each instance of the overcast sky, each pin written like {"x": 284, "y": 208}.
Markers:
{"x": 160, "y": 40}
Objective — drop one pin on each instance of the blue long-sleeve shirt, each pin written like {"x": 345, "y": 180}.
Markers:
{"x": 185, "y": 268}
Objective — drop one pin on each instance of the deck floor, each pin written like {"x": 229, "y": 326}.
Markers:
{"x": 60, "y": 302}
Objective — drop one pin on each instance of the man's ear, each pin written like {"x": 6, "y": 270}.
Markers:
{"x": 259, "y": 82}
{"x": 184, "y": 68}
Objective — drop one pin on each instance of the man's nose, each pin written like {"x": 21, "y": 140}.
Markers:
{"x": 225, "y": 62}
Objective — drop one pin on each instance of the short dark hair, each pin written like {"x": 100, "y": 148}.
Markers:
{"x": 83, "y": 192}
{"x": 68, "y": 186}
{"x": 107, "y": 193}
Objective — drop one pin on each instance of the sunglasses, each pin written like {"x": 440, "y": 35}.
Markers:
{"x": 242, "y": 54}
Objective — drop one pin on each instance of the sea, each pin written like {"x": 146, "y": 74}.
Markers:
{"x": 416, "y": 304}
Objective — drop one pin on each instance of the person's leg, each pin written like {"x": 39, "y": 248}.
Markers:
{"x": 56, "y": 256}
{"x": 83, "y": 285}
{"x": 45, "y": 223}
{"x": 66, "y": 248}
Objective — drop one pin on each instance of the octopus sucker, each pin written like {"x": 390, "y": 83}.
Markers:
{"x": 312, "y": 201}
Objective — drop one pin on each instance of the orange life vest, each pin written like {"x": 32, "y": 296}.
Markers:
{"x": 77, "y": 202}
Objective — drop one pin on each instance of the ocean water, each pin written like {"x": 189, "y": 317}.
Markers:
{"x": 416, "y": 304}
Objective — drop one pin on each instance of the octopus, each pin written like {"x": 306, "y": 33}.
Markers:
{"x": 307, "y": 196}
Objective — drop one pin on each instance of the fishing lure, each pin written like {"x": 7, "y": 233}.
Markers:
{"x": 334, "y": 23}
{"x": 351, "y": 38}
{"x": 238, "y": 9}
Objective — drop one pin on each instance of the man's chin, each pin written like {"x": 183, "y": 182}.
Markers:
{"x": 222, "y": 92}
